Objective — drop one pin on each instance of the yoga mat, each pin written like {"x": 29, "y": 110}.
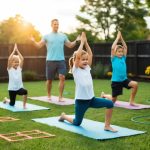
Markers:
{"x": 89, "y": 128}
{"x": 54, "y": 100}
{"x": 19, "y": 107}
{"x": 128, "y": 106}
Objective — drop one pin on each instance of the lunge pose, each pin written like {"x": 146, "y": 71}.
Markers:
{"x": 15, "y": 86}
{"x": 119, "y": 72}
{"x": 84, "y": 94}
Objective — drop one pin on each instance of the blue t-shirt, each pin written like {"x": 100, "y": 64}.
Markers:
{"x": 55, "y": 46}
{"x": 119, "y": 68}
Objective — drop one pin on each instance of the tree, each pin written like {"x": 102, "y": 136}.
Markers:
{"x": 91, "y": 38}
{"x": 16, "y": 30}
{"x": 104, "y": 17}
{"x": 133, "y": 25}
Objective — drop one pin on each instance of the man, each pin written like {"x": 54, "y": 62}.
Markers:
{"x": 55, "y": 60}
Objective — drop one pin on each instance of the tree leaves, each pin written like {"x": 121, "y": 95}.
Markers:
{"x": 16, "y": 30}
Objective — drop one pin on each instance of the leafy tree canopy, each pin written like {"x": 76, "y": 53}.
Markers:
{"x": 104, "y": 17}
{"x": 16, "y": 30}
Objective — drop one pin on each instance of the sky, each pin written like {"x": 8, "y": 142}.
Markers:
{"x": 41, "y": 12}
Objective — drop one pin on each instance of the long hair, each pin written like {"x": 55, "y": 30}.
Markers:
{"x": 72, "y": 59}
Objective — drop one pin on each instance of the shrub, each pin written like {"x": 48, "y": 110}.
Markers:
{"x": 69, "y": 76}
{"x": 109, "y": 73}
{"x": 100, "y": 70}
{"x": 29, "y": 76}
{"x": 147, "y": 70}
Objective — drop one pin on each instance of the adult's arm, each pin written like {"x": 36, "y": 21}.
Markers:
{"x": 37, "y": 44}
{"x": 70, "y": 44}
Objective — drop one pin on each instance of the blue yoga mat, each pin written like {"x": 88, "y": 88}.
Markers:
{"x": 89, "y": 128}
{"x": 19, "y": 107}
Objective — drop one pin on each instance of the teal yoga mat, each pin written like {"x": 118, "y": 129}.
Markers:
{"x": 19, "y": 107}
{"x": 89, "y": 128}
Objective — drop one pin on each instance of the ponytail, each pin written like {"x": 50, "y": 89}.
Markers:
{"x": 71, "y": 62}
{"x": 72, "y": 59}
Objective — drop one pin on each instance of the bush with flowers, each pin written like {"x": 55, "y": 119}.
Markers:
{"x": 147, "y": 70}
{"x": 109, "y": 74}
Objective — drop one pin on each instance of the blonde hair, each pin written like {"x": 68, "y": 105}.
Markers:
{"x": 72, "y": 59}
{"x": 14, "y": 58}
{"x": 118, "y": 47}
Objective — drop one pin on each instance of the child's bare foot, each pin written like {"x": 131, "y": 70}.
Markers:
{"x": 62, "y": 118}
{"x": 102, "y": 94}
{"x": 109, "y": 128}
{"x": 6, "y": 100}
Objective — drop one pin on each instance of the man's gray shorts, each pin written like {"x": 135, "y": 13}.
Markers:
{"x": 53, "y": 67}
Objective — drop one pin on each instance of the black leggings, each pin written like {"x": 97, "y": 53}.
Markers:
{"x": 12, "y": 95}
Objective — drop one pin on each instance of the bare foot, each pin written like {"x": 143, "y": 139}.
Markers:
{"x": 61, "y": 99}
{"x": 109, "y": 128}
{"x": 49, "y": 98}
{"x": 62, "y": 118}
{"x": 6, "y": 100}
{"x": 134, "y": 104}
{"x": 102, "y": 95}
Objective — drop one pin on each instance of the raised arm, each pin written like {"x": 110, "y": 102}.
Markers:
{"x": 37, "y": 44}
{"x": 10, "y": 58}
{"x": 79, "y": 51}
{"x": 89, "y": 51}
{"x": 124, "y": 45}
{"x": 20, "y": 56}
{"x": 72, "y": 44}
{"x": 115, "y": 43}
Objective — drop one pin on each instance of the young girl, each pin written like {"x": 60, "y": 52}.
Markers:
{"x": 119, "y": 73}
{"x": 84, "y": 94}
{"x": 15, "y": 86}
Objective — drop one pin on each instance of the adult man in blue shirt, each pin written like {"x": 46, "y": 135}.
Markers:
{"x": 55, "y": 60}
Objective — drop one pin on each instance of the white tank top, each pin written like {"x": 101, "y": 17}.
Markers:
{"x": 84, "y": 83}
{"x": 15, "y": 79}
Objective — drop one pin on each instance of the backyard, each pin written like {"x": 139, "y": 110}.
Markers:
{"x": 65, "y": 140}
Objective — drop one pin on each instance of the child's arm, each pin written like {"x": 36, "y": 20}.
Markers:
{"x": 20, "y": 56}
{"x": 115, "y": 43}
{"x": 10, "y": 58}
{"x": 78, "y": 53}
{"x": 124, "y": 45}
{"x": 89, "y": 51}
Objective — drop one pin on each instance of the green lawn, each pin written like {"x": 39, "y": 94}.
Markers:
{"x": 65, "y": 140}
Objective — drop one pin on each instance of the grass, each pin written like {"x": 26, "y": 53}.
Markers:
{"x": 65, "y": 140}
